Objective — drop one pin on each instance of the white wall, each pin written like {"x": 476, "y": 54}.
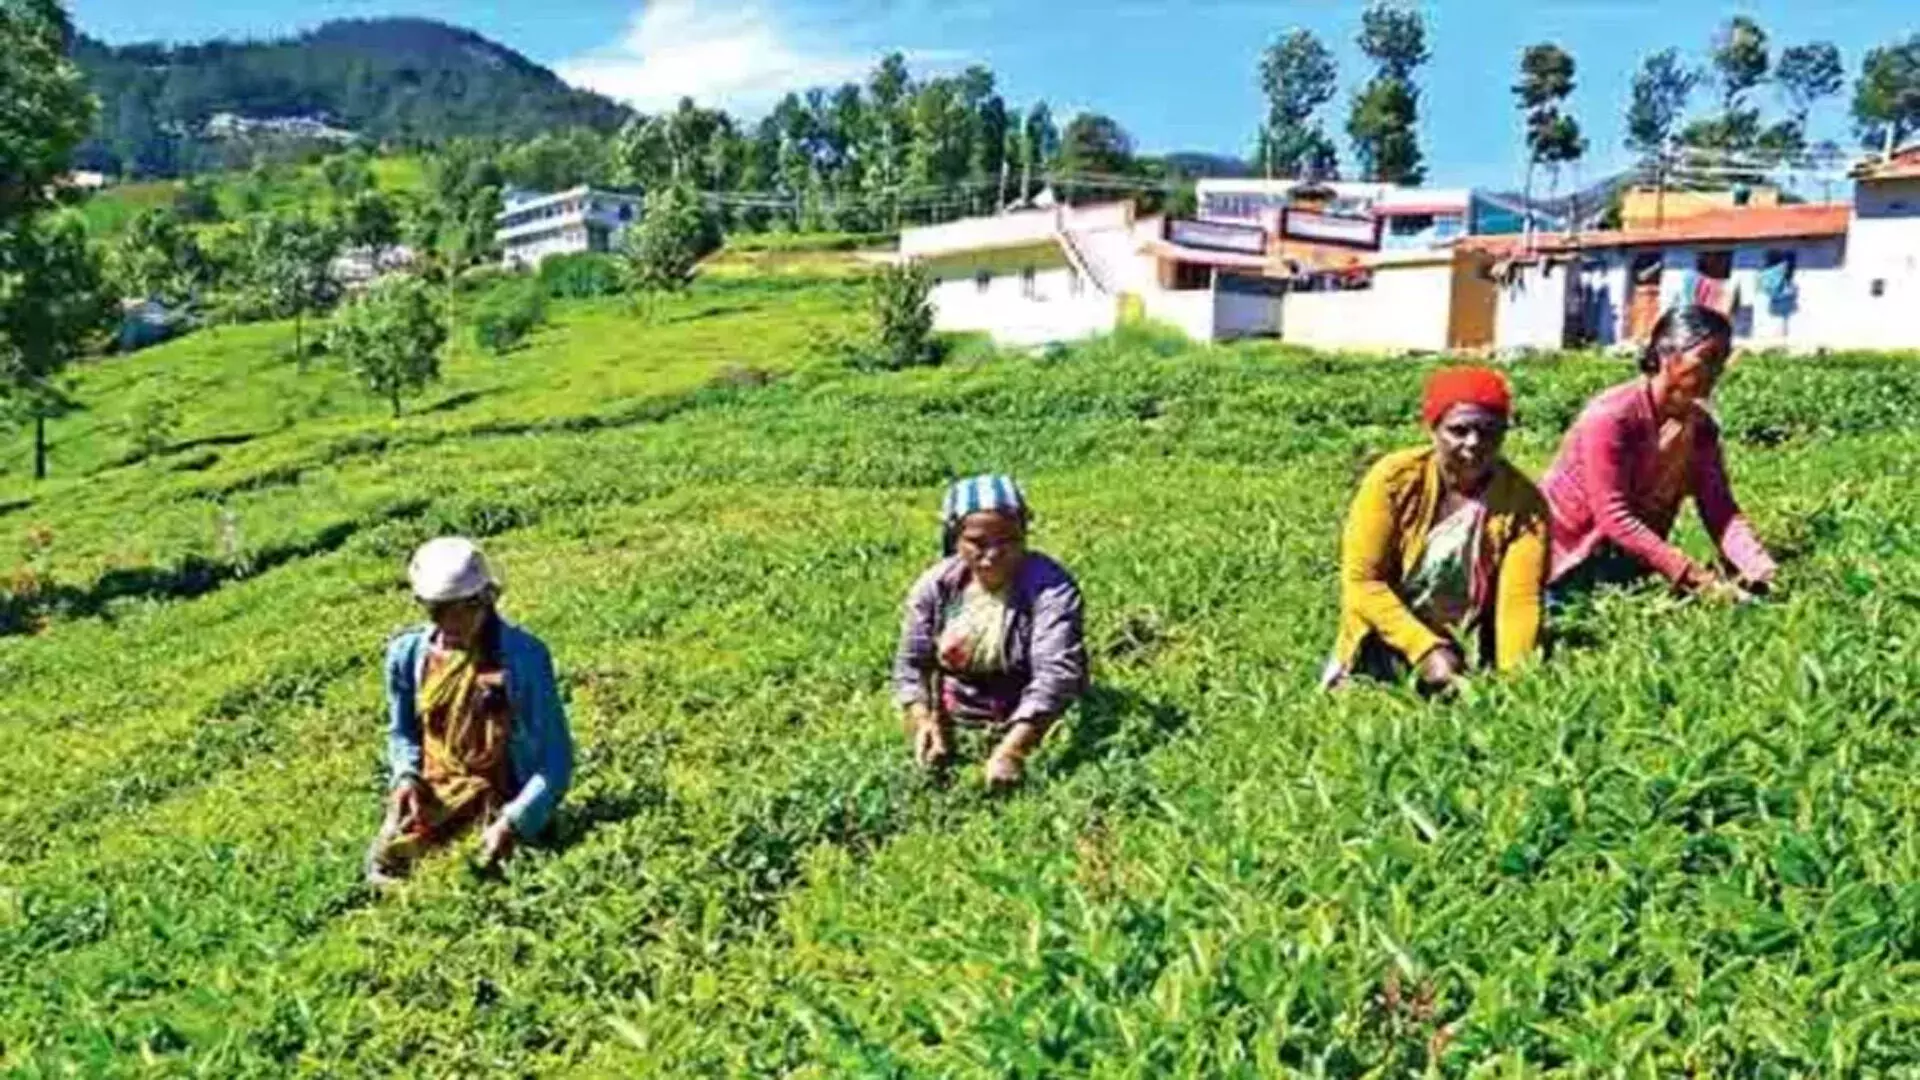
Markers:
{"x": 981, "y": 233}
{"x": 1053, "y": 313}
{"x": 1190, "y": 311}
{"x": 1531, "y": 311}
{"x": 1408, "y": 307}
{"x": 1883, "y": 244}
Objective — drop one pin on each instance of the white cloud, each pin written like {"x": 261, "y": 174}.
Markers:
{"x": 732, "y": 53}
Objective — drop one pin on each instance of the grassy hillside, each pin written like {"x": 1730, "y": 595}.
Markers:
{"x": 109, "y": 210}
{"x": 1687, "y": 845}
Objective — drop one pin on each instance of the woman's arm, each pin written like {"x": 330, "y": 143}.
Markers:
{"x": 403, "y": 725}
{"x": 914, "y": 660}
{"x": 1367, "y": 556}
{"x": 1713, "y": 495}
{"x": 1606, "y": 450}
{"x": 1522, "y": 578}
{"x": 546, "y": 717}
{"x": 1057, "y": 656}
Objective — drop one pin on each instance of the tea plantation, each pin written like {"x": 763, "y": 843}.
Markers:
{"x": 1689, "y": 845}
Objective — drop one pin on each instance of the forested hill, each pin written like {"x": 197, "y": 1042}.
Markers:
{"x": 383, "y": 79}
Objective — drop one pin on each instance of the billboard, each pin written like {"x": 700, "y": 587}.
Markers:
{"x": 1217, "y": 236}
{"x": 1318, "y": 228}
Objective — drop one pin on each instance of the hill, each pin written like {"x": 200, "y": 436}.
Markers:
{"x": 385, "y": 80}
{"x": 1682, "y": 847}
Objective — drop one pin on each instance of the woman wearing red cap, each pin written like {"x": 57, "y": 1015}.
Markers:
{"x": 1635, "y": 454}
{"x": 1445, "y": 547}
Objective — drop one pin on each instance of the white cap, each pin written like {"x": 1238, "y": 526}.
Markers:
{"x": 449, "y": 568}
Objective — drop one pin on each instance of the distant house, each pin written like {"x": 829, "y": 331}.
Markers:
{"x": 1412, "y": 218}
{"x": 1797, "y": 277}
{"x": 356, "y": 268}
{"x": 535, "y": 225}
{"x": 227, "y": 125}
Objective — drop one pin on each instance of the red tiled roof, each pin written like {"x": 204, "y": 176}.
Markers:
{"x": 1903, "y": 165}
{"x": 1732, "y": 225}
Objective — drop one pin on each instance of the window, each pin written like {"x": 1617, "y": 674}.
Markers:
{"x": 1717, "y": 265}
{"x": 1409, "y": 224}
{"x": 1646, "y": 268}
{"x": 1028, "y": 290}
{"x": 626, "y": 211}
{"x": 1878, "y": 288}
{"x": 982, "y": 281}
{"x": 1192, "y": 277}
{"x": 1076, "y": 285}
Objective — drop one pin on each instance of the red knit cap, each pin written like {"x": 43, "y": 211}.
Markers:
{"x": 1469, "y": 385}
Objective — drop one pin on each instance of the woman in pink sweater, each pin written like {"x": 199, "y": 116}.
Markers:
{"x": 1635, "y": 454}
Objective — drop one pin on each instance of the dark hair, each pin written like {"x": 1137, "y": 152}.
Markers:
{"x": 1680, "y": 328}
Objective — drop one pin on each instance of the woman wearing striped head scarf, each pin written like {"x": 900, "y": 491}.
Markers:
{"x": 992, "y": 634}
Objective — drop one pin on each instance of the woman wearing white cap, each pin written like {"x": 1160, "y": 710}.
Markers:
{"x": 992, "y": 634}
{"x": 476, "y": 732}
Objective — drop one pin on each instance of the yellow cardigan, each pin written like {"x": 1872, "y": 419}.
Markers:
{"x": 1386, "y": 535}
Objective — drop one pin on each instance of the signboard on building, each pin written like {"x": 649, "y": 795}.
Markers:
{"x": 1318, "y": 228}
{"x": 1217, "y": 236}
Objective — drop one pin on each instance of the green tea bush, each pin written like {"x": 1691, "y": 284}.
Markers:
{"x": 502, "y": 318}
{"x": 1681, "y": 846}
{"x": 583, "y": 276}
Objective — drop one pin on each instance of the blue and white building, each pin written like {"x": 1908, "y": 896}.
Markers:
{"x": 535, "y": 225}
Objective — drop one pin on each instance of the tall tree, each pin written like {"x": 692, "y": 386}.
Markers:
{"x": 1553, "y": 137}
{"x": 1298, "y": 76}
{"x": 1039, "y": 143}
{"x": 52, "y": 303}
{"x": 289, "y": 259}
{"x": 1660, "y": 92}
{"x": 48, "y": 110}
{"x": 1808, "y": 74}
{"x": 1386, "y": 113}
{"x": 1739, "y": 62}
{"x": 1886, "y": 100}
{"x": 391, "y": 337}
{"x": 1092, "y": 145}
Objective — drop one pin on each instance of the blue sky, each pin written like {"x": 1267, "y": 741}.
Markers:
{"x": 1177, "y": 75}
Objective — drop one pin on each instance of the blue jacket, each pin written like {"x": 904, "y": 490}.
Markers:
{"x": 540, "y": 748}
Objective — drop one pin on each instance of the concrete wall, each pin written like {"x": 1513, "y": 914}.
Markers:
{"x": 1191, "y": 312}
{"x": 1055, "y": 311}
{"x": 1532, "y": 308}
{"x": 1817, "y": 316}
{"x": 1004, "y": 230}
{"x": 1883, "y": 245}
{"x": 1408, "y": 307}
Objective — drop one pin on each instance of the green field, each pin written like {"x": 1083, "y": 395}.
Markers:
{"x": 1687, "y": 845}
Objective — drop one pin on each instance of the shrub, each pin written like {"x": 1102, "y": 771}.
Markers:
{"x": 671, "y": 239}
{"x": 899, "y": 302}
{"x": 582, "y": 276}
{"x": 507, "y": 314}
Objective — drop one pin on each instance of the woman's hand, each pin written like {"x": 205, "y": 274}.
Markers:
{"x": 405, "y": 804}
{"x": 1441, "y": 667}
{"x": 931, "y": 747}
{"x": 1008, "y": 765}
{"x": 498, "y": 841}
{"x": 1699, "y": 580}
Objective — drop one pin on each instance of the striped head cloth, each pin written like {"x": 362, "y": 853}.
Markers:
{"x": 980, "y": 494}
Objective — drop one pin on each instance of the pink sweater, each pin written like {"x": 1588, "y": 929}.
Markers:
{"x": 1601, "y": 489}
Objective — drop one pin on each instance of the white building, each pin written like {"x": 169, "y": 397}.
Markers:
{"x": 1029, "y": 277}
{"x": 1881, "y": 308}
{"x": 535, "y": 225}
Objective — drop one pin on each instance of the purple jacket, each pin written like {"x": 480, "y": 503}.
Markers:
{"x": 1046, "y": 648}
